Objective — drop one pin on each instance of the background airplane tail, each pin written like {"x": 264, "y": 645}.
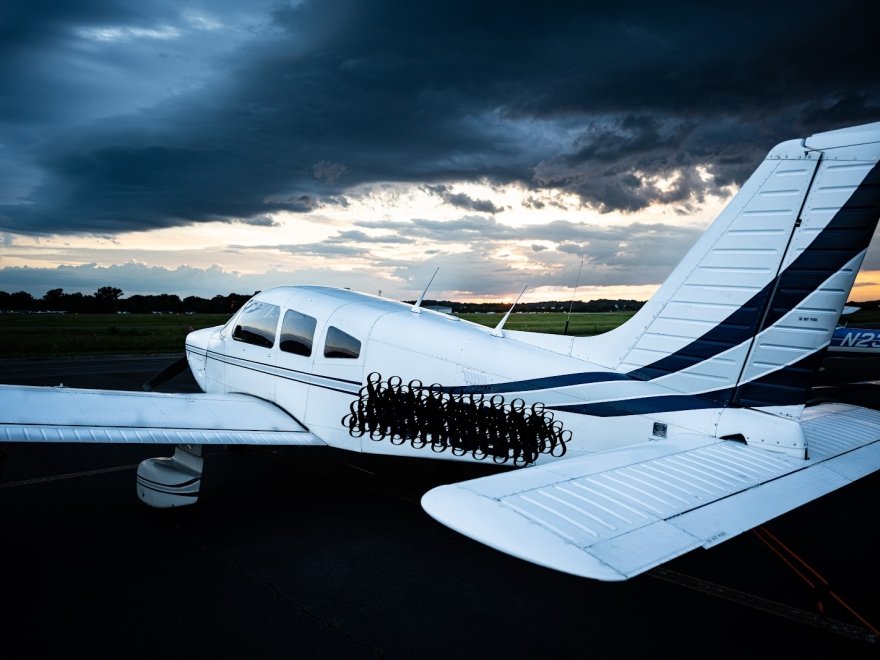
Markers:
{"x": 747, "y": 315}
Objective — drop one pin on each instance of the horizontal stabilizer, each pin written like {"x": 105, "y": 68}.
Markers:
{"x": 62, "y": 414}
{"x": 613, "y": 515}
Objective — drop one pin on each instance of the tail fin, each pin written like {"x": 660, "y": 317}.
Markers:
{"x": 747, "y": 315}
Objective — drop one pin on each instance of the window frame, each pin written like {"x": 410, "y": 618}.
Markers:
{"x": 340, "y": 354}
{"x": 239, "y": 327}
{"x": 311, "y": 343}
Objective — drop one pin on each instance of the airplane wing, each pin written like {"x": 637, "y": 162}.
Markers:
{"x": 62, "y": 414}
{"x": 613, "y": 515}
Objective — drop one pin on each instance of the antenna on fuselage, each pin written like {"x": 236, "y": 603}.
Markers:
{"x": 574, "y": 293}
{"x": 497, "y": 331}
{"x": 417, "y": 308}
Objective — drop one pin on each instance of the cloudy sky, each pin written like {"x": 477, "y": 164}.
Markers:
{"x": 216, "y": 147}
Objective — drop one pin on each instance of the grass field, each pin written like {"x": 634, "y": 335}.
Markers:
{"x": 54, "y": 335}
{"x": 580, "y": 325}
{"x": 59, "y": 335}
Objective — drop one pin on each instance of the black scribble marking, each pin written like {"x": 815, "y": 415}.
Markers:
{"x": 426, "y": 416}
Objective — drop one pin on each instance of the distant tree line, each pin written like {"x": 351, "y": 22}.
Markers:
{"x": 870, "y": 304}
{"x": 108, "y": 300}
{"x": 601, "y": 305}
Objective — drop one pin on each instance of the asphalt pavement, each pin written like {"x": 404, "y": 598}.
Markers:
{"x": 309, "y": 552}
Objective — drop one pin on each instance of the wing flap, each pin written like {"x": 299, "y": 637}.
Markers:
{"x": 857, "y": 463}
{"x": 625, "y": 512}
{"x": 724, "y": 519}
{"x": 61, "y": 414}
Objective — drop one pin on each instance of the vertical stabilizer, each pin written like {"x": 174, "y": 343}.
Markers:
{"x": 745, "y": 317}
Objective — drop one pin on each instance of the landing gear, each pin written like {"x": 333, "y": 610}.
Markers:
{"x": 173, "y": 480}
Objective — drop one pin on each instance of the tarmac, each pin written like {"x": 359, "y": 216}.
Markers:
{"x": 307, "y": 552}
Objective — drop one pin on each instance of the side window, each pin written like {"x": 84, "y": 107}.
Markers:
{"x": 341, "y": 345}
{"x": 297, "y": 333}
{"x": 256, "y": 324}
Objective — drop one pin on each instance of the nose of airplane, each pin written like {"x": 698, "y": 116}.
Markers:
{"x": 194, "y": 358}
{"x": 197, "y": 340}
{"x": 197, "y": 353}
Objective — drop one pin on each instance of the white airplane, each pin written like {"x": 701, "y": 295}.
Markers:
{"x": 680, "y": 429}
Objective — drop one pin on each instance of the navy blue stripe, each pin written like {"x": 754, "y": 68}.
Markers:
{"x": 790, "y": 385}
{"x": 784, "y": 387}
{"x": 269, "y": 373}
{"x": 546, "y": 383}
{"x": 847, "y": 234}
{"x": 221, "y": 358}
{"x": 642, "y": 406}
{"x": 865, "y": 339}
{"x": 146, "y": 482}
{"x": 732, "y": 331}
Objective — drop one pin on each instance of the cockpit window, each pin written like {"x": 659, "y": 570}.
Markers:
{"x": 297, "y": 333}
{"x": 229, "y": 326}
{"x": 257, "y": 323}
{"x": 341, "y": 345}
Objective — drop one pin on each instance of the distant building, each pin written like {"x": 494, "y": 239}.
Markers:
{"x": 439, "y": 308}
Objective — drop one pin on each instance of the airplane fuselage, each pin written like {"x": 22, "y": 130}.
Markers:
{"x": 368, "y": 374}
{"x": 856, "y": 342}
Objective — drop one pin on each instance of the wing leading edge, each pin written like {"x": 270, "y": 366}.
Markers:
{"x": 613, "y": 515}
{"x": 61, "y": 414}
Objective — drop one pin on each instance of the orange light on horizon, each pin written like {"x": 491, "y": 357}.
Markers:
{"x": 866, "y": 287}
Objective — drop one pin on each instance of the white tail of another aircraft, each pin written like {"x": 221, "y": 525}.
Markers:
{"x": 746, "y": 316}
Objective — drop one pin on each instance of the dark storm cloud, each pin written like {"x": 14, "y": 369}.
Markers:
{"x": 629, "y": 162}
{"x": 328, "y": 171}
{"x": 461, "y": 200}
{"x": 117, "y": 116}
{"x": 258, "y": 221}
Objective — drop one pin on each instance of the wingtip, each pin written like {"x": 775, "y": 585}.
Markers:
{"x": 488, "y": 522}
